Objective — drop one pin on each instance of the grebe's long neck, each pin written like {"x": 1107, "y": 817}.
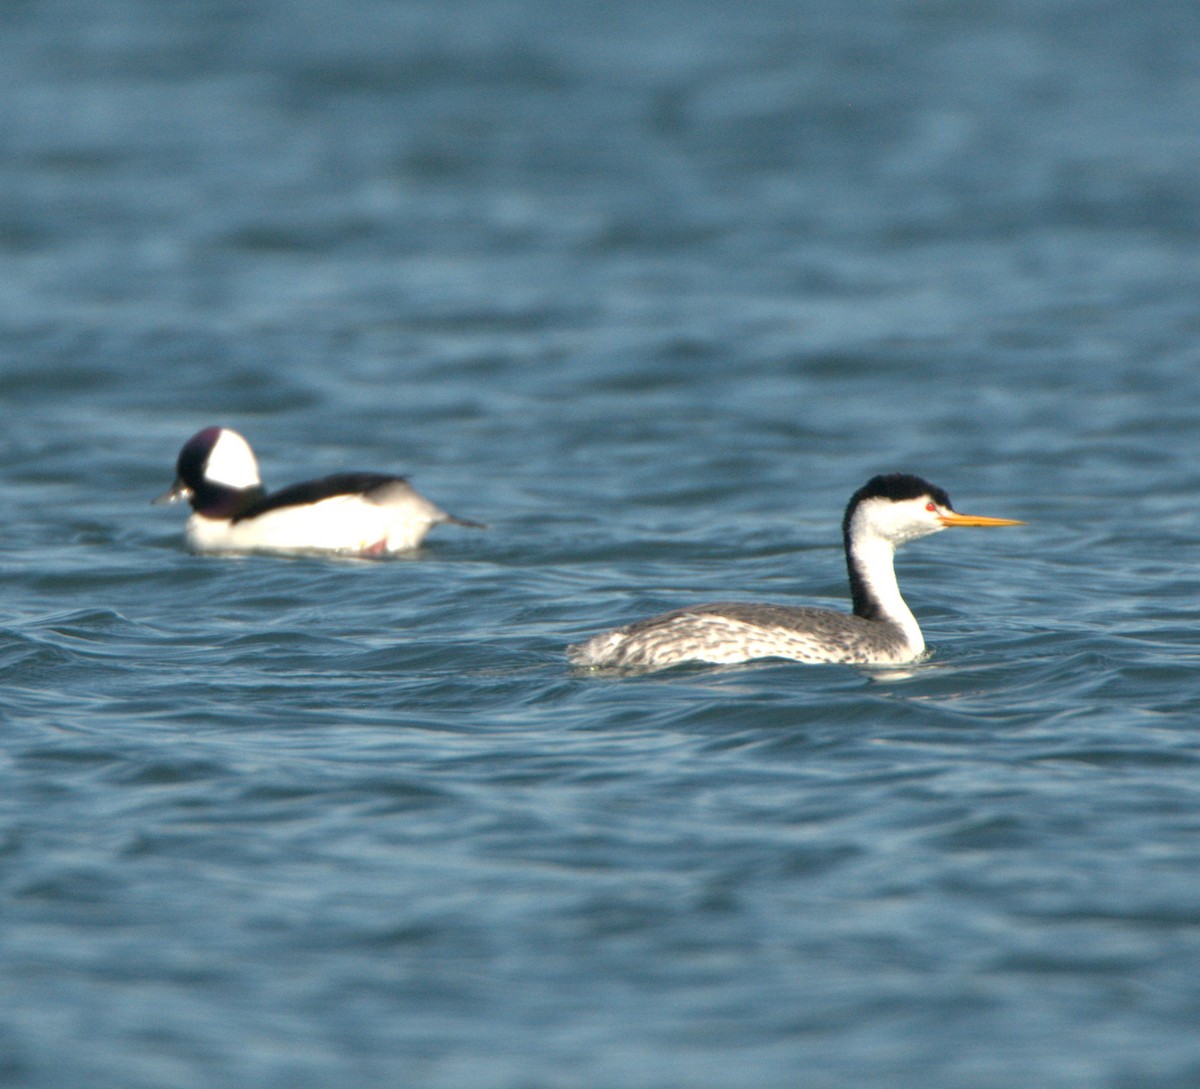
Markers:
{"x": 873, "y": 586}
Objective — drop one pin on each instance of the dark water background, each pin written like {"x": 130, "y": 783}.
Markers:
{"x": 651, "y": 288}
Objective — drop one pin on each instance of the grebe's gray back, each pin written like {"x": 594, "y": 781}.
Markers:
{"x": 883, "y": 514}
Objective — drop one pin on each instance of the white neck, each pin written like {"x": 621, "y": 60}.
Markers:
{"x": 873, "y": 558}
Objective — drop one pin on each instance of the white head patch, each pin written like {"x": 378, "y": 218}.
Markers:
{"x": 231, "y": 462}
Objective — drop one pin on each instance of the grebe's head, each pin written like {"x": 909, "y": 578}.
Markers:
{"x": 899, "y": 507}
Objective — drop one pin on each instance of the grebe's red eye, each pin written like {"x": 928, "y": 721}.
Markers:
{"x": 931, "y": 506}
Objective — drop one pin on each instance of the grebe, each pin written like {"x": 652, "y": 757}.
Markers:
{"x": 884, "y": 513}
{"x": 365, "y": 514}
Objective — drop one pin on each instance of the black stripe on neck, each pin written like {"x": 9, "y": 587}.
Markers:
{"x": 895, "y": 487}
{"x": 866, "y": 604}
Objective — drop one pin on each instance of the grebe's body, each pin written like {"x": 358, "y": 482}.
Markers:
{"x": 883, "y": 514}
{"x": 366, "y": 514}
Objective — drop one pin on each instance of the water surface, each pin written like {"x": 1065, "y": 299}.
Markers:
{"x": 651, "y": 289}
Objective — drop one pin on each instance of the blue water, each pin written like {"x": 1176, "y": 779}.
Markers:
{"x": 650, "y": 288}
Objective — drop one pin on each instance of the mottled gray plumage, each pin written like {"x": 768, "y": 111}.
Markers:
{"x": 739, "y": 631}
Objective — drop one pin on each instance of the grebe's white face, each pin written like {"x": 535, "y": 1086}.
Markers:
{"x": 899, "y": 520}
{"x": 232, "y": 462}
{"x": 894, "y": 511}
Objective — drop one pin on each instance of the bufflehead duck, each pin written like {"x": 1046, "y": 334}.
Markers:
{"x": 366, "y": 514}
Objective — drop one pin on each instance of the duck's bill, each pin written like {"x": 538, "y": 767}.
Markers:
{"x": 174, "y": 494}
{"x": 953, "y": 518}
